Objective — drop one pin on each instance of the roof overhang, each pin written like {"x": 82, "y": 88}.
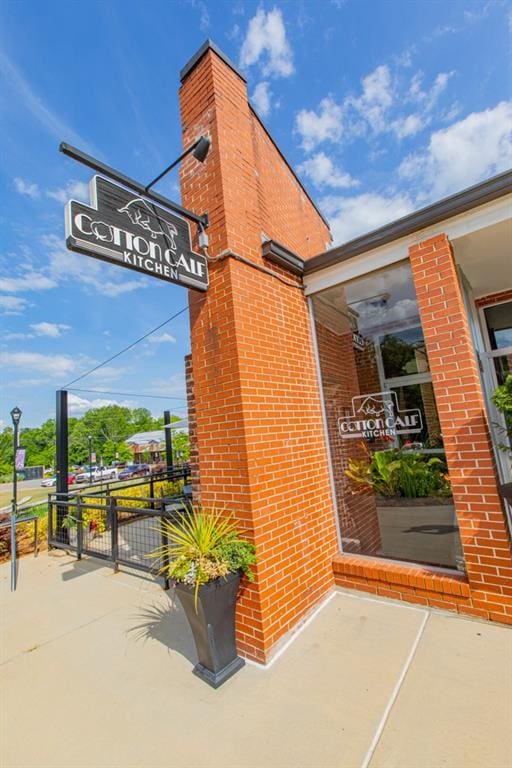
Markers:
{"x": 480, "y": 206}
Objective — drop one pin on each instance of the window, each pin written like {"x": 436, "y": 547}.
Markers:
{"x": 393, "y": 495}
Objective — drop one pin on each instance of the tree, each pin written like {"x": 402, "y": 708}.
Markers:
{"x": 111, "y": 423}
{"x": 181, "y": 446}
{"x": 108, "y": 427}
{"x": 116, "y": 452}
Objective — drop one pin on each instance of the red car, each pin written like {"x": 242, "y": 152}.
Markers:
{"x": 51, "y": 481}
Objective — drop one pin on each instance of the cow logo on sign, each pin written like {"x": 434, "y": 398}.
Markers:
{"x": 378, "y": 415}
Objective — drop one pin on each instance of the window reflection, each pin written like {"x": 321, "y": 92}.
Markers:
{"x": 392, "y": 488}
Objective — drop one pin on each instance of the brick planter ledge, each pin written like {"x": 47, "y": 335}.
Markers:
{"x": 410, "y": 583}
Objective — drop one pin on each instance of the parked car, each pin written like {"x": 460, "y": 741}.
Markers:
{"x": 96, "y": 474}
{"x": 48, "y": 482}
{"x": 134, "y": 470}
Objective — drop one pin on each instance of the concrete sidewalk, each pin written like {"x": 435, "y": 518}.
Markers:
{"x": 95, "y": 671}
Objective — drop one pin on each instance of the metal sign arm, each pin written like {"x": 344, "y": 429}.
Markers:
{"x": 140, "y": 189}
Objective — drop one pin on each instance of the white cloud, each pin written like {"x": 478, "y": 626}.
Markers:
{"x": 407, "y": 126}
{"x": 466, "y": 152}
{"x": 26, "y": 188}
{"x": 376, "y": 98}
{"x": 381, "y": 107}
{"x": 324, "y": 173}
{"x": 204, "y": 16}
{"x": 324, "y": 125}
{"x": 28, "y": 281}
{"x": 65, "y": 265}
{"x": 13, "y": 305}
{"x": 79, "y": 405}
{"x": 353, "y": 216}
{"x": 11, "y": 336}
{"x": 108, "y": 373}
{"x": 428, "y": 98}
{"x": 162, "y": 339}
{"x": 74, "y": 190}
{"x": 54, "y": 366}
{"x": 266, "y": 39}
{"x": 172, "y": 386}
{"x": 49, "y": 329}
{"x": 261, "y": 98}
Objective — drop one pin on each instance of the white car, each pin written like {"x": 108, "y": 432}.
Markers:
{"x": 48, "y": 482}
{"x": 96, "y": 474}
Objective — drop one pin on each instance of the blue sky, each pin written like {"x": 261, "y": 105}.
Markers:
{"x": 381, "y": 107}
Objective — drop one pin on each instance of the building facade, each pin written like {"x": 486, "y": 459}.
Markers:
{"x": 340, "y": 400}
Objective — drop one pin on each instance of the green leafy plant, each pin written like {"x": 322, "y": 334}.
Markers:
{"x": 502, "y": 399}
{"x": 400, "y": 473}
{"x": 69, "y": 522}
{"x": 203, "y": 545}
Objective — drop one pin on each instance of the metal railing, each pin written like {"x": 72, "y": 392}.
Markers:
{"x": 121, "y": 528}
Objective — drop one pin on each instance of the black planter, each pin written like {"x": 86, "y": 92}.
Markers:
{"x": 213, "y": 627}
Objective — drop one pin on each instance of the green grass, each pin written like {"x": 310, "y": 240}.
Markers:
{"x": 36, "y": 494}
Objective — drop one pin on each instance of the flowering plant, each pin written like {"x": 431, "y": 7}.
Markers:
{"x": 203, "y": 545}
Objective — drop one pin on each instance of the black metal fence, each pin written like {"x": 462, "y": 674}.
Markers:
{"x": 120, "y": 524}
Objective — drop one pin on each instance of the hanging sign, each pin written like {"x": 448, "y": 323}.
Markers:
{"x": 378, "y": 415}
{"x": 358, "y": 341}
{"x": 127, "y": 230}
{"x": 19, "y": 461}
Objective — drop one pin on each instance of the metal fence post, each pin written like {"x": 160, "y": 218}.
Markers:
{"x": 165, "y": 542}
{"x": 79, "y": 529}
{"x": 36, "y": 537}
{"x": 50, "y": 523}
{"x": 114, "y": 532}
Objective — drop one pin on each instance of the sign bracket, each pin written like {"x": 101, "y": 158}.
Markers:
{"x": 135, "y": 186}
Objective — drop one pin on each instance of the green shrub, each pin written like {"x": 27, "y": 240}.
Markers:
{"x": 400, "y": 473}
{"x": 204, "y": 545}
{"x": 502, "y": 399}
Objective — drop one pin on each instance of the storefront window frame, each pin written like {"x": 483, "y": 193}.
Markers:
{"x": 424, "y": 377}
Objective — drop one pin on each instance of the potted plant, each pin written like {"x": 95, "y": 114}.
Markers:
{"x": 401, "y": 474}
{"x": 413, "y": 504}
{"x": 206, "y": 559}
{"x": 71, "y": 524}
{"x": 502, "y": 399}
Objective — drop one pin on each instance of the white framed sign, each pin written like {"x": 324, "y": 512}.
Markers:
{"x": 121, "y": 228}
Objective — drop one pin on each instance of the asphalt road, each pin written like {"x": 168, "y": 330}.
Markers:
{"x": 23, "y": 485}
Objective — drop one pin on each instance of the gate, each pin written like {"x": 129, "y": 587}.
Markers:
{"x": 119, "y": 524}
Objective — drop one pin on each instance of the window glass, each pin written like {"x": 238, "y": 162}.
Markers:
{"x": 403, "y": 352}
{"x": 393, "y": 492}
{"x": 499, "y": 324}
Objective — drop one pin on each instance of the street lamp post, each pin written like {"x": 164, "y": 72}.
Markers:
{"x": 89, "y": 440}
{"x": 15, "y": 416}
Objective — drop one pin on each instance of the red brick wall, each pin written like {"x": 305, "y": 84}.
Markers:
{"x": 285, "y": 209}
{"x": 260, "y": 441}
{"x": 494, "y": 298}
{"x": 192, "y": 428}
{"x": 359, "y": 524}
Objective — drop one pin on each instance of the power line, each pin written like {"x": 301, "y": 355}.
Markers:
{"x": 126, "y": 394}
{"x": 122, "y": 351}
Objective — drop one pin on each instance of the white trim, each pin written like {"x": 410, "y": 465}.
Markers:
{"x": 471, "y": 221}
{"x": 311, "y": 312}
{"x": 394, "y": 694}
